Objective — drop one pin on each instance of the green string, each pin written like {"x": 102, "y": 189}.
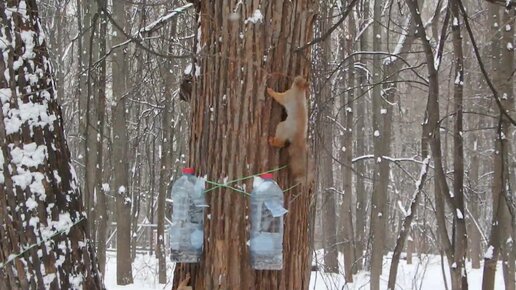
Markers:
{"x": 292, "y": 187}
{"x": 227, "y": 184}
{"x": 217, "y": 185}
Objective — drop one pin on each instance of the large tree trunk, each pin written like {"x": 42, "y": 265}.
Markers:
{"x": 324, "y": 135}
{"x": 43, "y": 230}
{"x": 459, "y": 274}
{"x": 100, "y": 190}
{"x": 166, "y": 163}
{"x": 382, "y": 116}
{"x": 508, "y": 215}
{"x": 475, "y": 191}
{"x": 120, "y": 69}
{"x": 80, "y": 94}
{"x": 346, "y": 153}
{"x": 164, "y": 179}
{"x": 89, "y": 124}
{"x": 232, "y": 118}
{"x": 501, "y": 237}
{"x": 361, "y": 193}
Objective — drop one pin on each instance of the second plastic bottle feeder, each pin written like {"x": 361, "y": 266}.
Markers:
{"x": 267, "y": 211}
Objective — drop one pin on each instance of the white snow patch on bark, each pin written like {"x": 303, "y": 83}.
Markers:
{"x": 489, "y": 252}
{"x": 257, "y": 17}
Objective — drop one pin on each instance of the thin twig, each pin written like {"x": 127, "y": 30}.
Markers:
{"x": 481, "y": 65}
{"x": 137, "y": 40}
{"x": 348, "y": 10}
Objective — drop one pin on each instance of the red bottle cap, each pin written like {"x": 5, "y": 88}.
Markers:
{"x": 188, "y": 170}
{"x": 266, "y": 176}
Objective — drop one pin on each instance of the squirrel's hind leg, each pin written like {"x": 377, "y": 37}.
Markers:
{"x": 280, "y": 140}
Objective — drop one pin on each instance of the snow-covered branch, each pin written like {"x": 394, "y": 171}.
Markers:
{"x": 158, "y": 23}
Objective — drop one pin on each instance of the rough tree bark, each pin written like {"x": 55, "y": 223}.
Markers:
{"x": 43, "y": 230}
{"x": 243, "y": 49}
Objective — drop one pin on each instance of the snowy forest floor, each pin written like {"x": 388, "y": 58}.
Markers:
{"x": 422, "y": 274}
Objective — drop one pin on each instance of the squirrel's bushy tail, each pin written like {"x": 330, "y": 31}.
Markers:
{"x": 300, "y": 165}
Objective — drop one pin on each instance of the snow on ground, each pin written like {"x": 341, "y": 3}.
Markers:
{"x": 145, "y": 273}
{"x": 422, "y": 274}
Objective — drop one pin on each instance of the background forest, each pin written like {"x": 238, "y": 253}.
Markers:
{"x": 411, "y": 131}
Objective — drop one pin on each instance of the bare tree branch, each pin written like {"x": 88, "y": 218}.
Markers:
{"x": 496, "y": 96}
{"x": 138, "y": 40}
{"x": 348, "y": 10}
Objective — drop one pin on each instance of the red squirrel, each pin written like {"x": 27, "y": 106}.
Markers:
{"x": 293, "y": 129}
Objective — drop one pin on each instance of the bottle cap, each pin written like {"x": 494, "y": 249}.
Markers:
{"x": 266, "y": 176}
{"x": 188, "y": 170}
